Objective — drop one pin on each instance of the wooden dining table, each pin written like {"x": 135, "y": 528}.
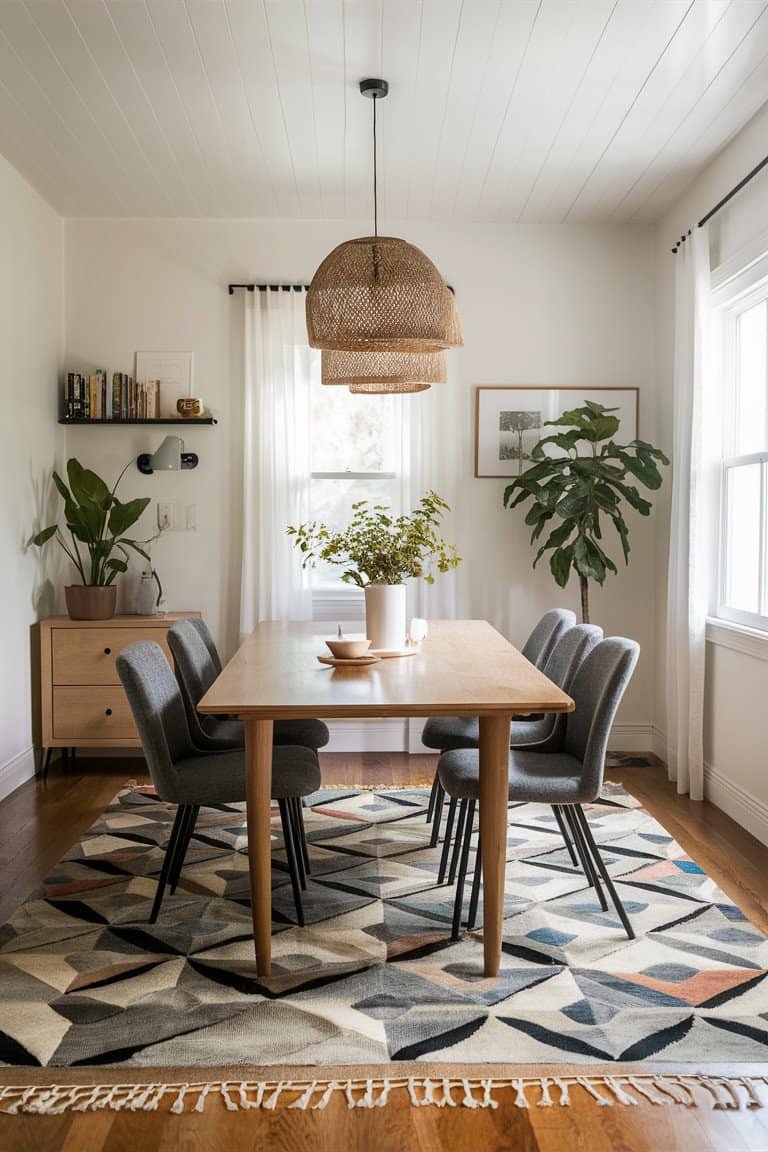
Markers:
{"x": 463, "y": 668}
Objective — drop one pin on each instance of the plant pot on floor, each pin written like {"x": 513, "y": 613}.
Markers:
{"x": 91, "y": 601}
{"x": 385, "y": 619}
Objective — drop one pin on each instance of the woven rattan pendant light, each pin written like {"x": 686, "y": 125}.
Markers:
{"x": 390, "y": 388}
{"x": 384, "y": 371}
{"x": 380, "y": 293}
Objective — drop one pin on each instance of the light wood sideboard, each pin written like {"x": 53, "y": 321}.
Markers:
{"x": 83, "y": 704}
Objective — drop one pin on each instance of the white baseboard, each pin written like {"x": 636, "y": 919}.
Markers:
{"x": 17, "y": 771}
{"x": 741, "y": 805}
{"x": 400, "y": 736}
{"x": 627, "y": 737}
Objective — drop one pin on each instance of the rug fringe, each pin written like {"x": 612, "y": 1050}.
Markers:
{"x": 721, "y": 1092}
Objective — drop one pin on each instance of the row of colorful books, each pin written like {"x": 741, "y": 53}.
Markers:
{"x": 93, "y": 398}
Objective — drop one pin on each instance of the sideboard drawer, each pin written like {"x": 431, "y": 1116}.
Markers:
{"x": 87, "y": 655}
{"x": 104, "y": 713}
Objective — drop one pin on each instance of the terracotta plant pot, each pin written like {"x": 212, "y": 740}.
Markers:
{"x": 90, "y": 601}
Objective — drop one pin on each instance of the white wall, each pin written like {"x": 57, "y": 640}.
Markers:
{"x": 559, "y": 305}
{"x": 736, "y": 681}
{"x": 30, "y": 343}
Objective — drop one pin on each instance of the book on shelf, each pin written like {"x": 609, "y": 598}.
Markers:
{"x": 93, "y": 398}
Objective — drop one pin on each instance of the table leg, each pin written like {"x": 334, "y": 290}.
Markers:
{"x": 258, "y": 783}
{"x": 494, "y": 775}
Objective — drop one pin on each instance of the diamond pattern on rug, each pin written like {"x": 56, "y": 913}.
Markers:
{"x": 374, "y": 975}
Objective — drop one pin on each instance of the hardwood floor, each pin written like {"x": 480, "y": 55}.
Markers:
{"x": 38, "y": 823}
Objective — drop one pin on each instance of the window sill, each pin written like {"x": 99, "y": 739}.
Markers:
{"x": 344, "y": 605}
{"x": 737, "y": 637}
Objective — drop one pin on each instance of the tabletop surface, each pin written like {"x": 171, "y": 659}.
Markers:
{"x": 464, "y": 667}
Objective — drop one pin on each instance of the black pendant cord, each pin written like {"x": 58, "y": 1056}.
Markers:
{"x": 375, "y": 175}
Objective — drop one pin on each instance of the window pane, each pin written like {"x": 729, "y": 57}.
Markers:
{"x": 752, "y": 381}
{"x": 742, "y": 586}
{"x": 352, "y": 433}
{"x": 332, "y": 502}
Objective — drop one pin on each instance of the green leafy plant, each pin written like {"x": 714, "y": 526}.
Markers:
{"x": 377, "y": 548}
{"x": 580, "y": 491}
{"x": 97, "y": 521}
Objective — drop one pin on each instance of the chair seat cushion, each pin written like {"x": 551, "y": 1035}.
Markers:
{"x": 219, "y": 777}
{"x": 534, "y": 777}
{"x": 448, "y": 732}
{"x": 303, "y": 733}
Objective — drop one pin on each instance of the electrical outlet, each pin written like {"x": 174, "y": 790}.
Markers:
{"x": 165, "y": 516}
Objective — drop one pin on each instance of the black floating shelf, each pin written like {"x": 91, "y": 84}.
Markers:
{"x": 189, "y": 421}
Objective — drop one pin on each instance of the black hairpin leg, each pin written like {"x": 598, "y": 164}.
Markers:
{"x": 438, "y": 815}
{"x": 584, "y": 855}
{"x": 290, "y": 852}
{"x": 564, "y": 833}
{"x": 447, "y": 841}
{"x": 185, "y": 835}
{"x": 593, "y": 848}
{"x": 463, "y": 839}
{"x": 475, "y": 894}
{"x": 460, "y": 827}
{"x": 303, "y": 835}
{"x": 170, "y": 851}
{"x": 293, "y": 816}
{"x": 432, "y": 798}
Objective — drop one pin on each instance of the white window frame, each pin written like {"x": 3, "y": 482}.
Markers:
{"x": 731, "y": 300}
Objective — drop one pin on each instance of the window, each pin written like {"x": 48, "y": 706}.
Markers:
{"x": 356, "y": 455}
{"x": 744, "y": 499}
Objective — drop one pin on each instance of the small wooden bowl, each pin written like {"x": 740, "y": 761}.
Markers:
{"x": 348, "y": 649}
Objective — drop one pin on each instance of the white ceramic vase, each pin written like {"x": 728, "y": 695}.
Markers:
{"x": 385, "y": 622}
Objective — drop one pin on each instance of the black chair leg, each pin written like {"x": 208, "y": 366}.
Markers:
{"x": 290, "y": 852}
{"x": 170, "y": 852}
{"x": 475, "y": 896}
{"x": 464, "y": 839}
{"x": 293, "y": 816}
{"x": 460, "y": 826}
{"x": 303, "y": 835}
{"x": 438, "y": 815}
{"x": 74, "y": 757}
{"x": 593, "y": 848}
{"x": 564, "y": 833}
{"x": 584, "y": 855}
{"x": 432, "y": 798}
{"x": 447, "y": 841}
{"x": 185, "y": 835}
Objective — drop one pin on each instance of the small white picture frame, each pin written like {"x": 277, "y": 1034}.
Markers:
{"x": 510, "y": 419}
{"x": 174, "y": 370}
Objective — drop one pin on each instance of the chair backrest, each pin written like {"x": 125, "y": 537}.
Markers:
{"x": 204, "y": 632}
{"x": 545, "y": 635}
{"x": 158, "y": 710}
{"x": 195, "y": 671}
{"x": 597, "y": 689}
{"x": 564, "y": 661}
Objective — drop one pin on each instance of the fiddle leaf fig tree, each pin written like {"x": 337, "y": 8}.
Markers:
{"x": 579, "y": 481}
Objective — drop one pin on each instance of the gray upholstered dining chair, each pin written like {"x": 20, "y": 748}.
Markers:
{"x": 197, "y": 666}
{"x": 441, "y": 732}
{"x": 544, "y": 732}
{"x": 190, "y": 778}
{"x": 566, "y": 776}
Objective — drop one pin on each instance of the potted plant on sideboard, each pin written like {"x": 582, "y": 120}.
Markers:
{"x": 97, "y": 521}
{"x": 378, "y": 552}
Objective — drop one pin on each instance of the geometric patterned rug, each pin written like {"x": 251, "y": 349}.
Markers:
{"x": 374, "y": 976}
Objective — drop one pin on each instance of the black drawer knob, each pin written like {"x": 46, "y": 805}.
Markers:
{"x": 108, "y": 712}
{"x": 107, "y": 651}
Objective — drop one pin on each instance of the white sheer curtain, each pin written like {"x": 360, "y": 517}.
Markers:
{"x": 689, "y": 557}
{"x": 431, "y": 459}
{"x": 278, "y": 371}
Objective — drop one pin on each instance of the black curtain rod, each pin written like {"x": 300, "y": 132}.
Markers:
{"x": 284, "y": 288}
{"x": 721, "y": 203}
{"x": 268, "y": 287}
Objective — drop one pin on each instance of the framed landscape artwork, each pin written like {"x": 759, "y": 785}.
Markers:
{"x": 509, "y": 420}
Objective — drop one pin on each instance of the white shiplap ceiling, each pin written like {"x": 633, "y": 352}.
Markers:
{"x": 499, "y": 110}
